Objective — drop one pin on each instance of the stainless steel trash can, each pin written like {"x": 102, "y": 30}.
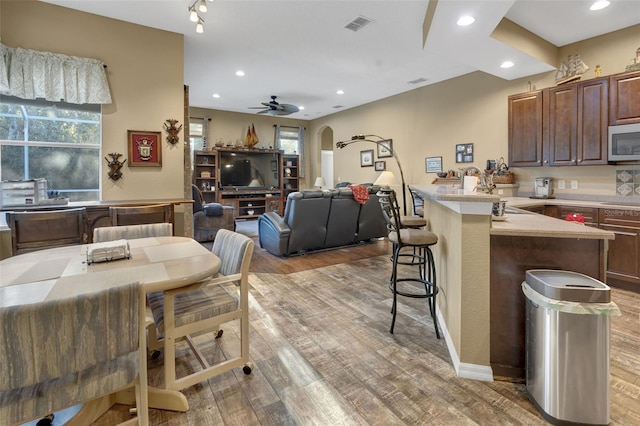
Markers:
{"x": 567, "y": 346}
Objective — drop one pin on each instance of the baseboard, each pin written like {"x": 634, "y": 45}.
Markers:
{"x": 466, "y": 371}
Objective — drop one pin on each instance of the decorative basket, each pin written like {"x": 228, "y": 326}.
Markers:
{"x": 504, "y": 178}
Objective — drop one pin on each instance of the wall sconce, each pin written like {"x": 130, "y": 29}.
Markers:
{"x": 115, "y": 165}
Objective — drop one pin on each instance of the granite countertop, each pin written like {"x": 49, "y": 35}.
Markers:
{"x": 453, "y": 193}
{"x": 522, "y": 223}
{"x": 528, "y": 202}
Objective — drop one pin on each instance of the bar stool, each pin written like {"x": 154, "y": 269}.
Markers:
{"x": 420, "y": 240}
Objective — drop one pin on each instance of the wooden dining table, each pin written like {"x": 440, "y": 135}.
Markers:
{"x": 158, "y": 263}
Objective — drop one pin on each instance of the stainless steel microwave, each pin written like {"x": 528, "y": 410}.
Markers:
{"x": 624, "y": 142}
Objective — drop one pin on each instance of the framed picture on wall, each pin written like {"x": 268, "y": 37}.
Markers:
{"x": 145, "y": 148}
{"x": 433, "y": 164}
{"x": 464, "y": 153}
{"x": 366, "y": 158}
{"x": 385, "y": 148}
{"x": 380, "y": 166}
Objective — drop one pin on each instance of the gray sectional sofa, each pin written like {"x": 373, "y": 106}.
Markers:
{"x": 316, "y": 220}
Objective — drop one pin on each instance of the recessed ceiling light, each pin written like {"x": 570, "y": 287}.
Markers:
{"x": 600, "y": 4}
{"x": 507, "y": 64}
{"x": 466, "y": 20}
{"x": 216, "y": 95}
{"x": 240, "y": 73}
{"x": 340, "y": 92}
{"x": 300, "y": 107}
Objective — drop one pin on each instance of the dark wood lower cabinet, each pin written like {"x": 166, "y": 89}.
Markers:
{"x": 623, "y": 263}
{"x": 511, "y": 257}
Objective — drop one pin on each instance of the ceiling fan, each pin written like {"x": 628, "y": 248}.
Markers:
{"x": 275, "y": 108}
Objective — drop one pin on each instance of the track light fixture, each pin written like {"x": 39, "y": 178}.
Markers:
{"x": 195, "y": 17}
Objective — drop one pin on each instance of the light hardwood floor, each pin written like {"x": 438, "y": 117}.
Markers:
{"x": 322, "y": 355}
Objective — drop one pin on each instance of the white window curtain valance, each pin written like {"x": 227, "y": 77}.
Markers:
{"x": 29, "y": 74}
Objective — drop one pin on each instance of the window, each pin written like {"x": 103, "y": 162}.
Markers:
{"x": 57, "y": 141}
{"x": 291, "y": 141}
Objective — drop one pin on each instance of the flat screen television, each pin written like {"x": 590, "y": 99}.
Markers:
{"x": 240, "y": 170}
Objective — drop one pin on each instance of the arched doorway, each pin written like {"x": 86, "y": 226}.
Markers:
{"x": 326, "y": 156}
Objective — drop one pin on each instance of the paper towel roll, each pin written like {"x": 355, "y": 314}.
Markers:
{"x": 470, "y": 182}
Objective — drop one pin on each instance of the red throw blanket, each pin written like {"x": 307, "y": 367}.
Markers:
{"x": 360, "y": 193}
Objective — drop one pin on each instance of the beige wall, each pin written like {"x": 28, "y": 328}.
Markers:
{"x": 145, "y": 73}
{"x": 431, "y": 120}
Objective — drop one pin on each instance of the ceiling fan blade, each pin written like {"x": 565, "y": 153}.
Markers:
{"x": 289, "y": 109}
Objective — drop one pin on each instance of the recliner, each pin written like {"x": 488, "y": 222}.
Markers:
{"x": 316, "y": 220}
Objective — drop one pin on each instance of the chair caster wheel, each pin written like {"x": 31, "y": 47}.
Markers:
{"x": 154, "y": 355}
{"x": 219, "y": 334}
{"x": 246, "y": 369}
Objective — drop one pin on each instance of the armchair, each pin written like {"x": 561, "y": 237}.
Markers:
{"x": 209, "y": 218}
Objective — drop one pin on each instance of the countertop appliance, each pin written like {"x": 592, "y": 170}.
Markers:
{"x": 624, "y": 142}
{"x": 542, "y": 188}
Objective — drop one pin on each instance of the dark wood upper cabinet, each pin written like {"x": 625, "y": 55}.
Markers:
{"x": 624, "y": 98}
{"x": 570, "y": 128}
{"x": 593, "y": 121}
{"x": 575, "y": 121}
{"x": 525, "y": 129}
{"x": 560, "y": 124}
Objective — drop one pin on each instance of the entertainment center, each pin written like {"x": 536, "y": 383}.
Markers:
{"x": 253, "y": 181}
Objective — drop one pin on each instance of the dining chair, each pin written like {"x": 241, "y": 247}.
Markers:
{"x": 140, "y": 215}
{"x": 60, "y": 353}
{"x": 186, "y": 312}
{"x": 423, "y": 284}
{"x": 131, "y": 232}
{"x": 37, "y": 230}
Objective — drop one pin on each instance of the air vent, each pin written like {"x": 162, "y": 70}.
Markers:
{"x": 359, "y": 23}
{"x": 417, "y": 80}
{"x": 337, "y": 106}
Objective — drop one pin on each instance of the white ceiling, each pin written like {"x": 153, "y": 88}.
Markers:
{"x": 300, "y": 51}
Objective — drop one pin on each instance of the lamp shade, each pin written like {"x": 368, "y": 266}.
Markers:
{"x": 386, "y": 178}
{"x": 319, "y": 182}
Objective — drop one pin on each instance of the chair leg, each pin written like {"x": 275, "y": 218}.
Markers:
{"x": 394, "y": 275}
{"x": 434, "y": 288}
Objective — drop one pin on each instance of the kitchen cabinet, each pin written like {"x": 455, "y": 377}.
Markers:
{"x": 624, "y": 93}
{"x": 575, "y": 122}
{"x": 590, "y": 214}
{"x": 525, "y": 129}
{"x": 623, "y": 262}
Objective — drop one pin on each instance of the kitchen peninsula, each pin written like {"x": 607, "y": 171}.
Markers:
{"x": 481, "y": 265}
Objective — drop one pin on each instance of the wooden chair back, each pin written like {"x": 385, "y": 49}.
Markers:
{"x": 132, "y": 232}
{"x": 140, "y": 215}
{"x": 37, "y": 230}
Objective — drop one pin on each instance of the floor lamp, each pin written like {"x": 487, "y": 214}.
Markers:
{"x": 386, "y": 143}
